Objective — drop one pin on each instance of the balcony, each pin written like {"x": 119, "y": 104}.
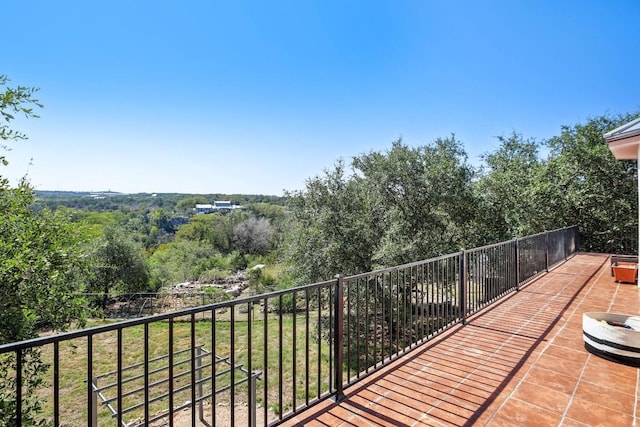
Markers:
{"x": 518, "y": 362}
{"x": 491, "y": 335}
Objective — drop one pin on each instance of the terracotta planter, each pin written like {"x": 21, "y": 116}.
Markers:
{"x": 625, "y": 272}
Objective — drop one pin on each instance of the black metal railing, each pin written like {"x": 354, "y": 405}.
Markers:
{"x": 268, "y": 357}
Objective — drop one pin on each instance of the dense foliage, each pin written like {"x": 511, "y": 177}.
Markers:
{"x": 584, "y": 184}
{"x": 41, "y": 262}
{"x": 412, "y": 203}
{"x": 41, "y": 267}
{"x": 506, "y": 189}
{"x": 117, "y": 264}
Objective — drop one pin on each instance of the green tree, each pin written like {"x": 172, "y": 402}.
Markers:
{"x": 334, "y": 226}
{"x": 118, "y": 264}
{"x": 402, "y": 205}
{"x": 40, "y": 271}
{"x": 506, "y": 191}
{"x": 398, "y": 206}
{"x": 159, "y": 218}
{"x": 213, "y": 229}
{"x": 267, "y": 210}
{"x": 583, "y": 184}
{"x": 426, "y": 196}
{"x": 40, "y": 267}
{"x": 180, "y": 261}
{"x": 14, "y": 100}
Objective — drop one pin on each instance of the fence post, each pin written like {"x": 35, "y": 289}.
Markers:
{"x": 462, "y": 286}
{"x": 517, "y": 241}
{"x": 338, "y": 337}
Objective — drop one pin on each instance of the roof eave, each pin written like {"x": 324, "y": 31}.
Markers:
{"x": 625, "y": 148}
{"x": 621, "y": 131}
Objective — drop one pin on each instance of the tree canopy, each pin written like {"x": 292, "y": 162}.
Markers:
{"x": 15, "y": 100}
{"x": 40, "y": 257}
{"x": 411, "y": 203}
{"x": 582, "y": 183}
{"x": 41, "y": 266}
{"x": 117, "y": 263}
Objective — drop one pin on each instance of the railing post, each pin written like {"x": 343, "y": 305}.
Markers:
{"x": 338, "y": 337}
{"x": 18, "y": 388}
{"x": 253, "y": 403}
{"x": 546, "y": 251}
{"x": 462, "y": 287}
{"x": 572, "y": 246}
{"x": 517, "y": 241}
{"x": 94, "y": 403}
{"x": 199, "y": 381}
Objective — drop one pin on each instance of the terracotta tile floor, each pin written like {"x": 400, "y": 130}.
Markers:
{"x": 521, "y": 362}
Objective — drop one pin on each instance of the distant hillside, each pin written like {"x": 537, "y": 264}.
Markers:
{"x": 110, "y": 200}
{"x": 74, "y": 194}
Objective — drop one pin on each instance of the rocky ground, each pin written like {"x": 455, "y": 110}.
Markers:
{"x": 232, "y": 285}
{"x": 178, "y": 296}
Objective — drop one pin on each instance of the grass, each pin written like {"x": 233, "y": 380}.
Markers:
{"x": 293, "y": 368}
{"x": 226, "y": 338}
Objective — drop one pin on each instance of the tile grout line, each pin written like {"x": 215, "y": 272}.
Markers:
{"x": 615, "y": 294}
{"x": 515, "y": 388}
{"x": 464, "y": 380}
{"x": 439, "y": 400}
{"x": 509, "y": 396}
{"x": 425, "y": 368}
{"x": 556, "y": 296}
{"x": 382, "y": 397}
{"x": 582, "y": 299}
{"x": 635, "y": 404}
{"x": 589, "y": 355}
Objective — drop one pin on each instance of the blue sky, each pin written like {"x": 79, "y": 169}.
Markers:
{"x": 255, "y": 97}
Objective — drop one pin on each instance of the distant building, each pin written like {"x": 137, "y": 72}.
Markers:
{"x": 204, "y": 209}
{"x": 223, "y": 206}
{"x": 219, "y": 206}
